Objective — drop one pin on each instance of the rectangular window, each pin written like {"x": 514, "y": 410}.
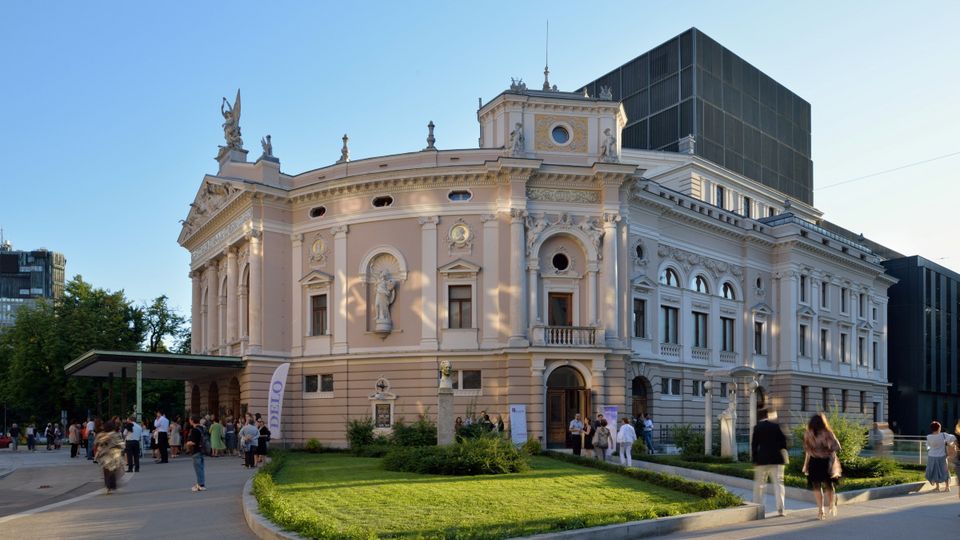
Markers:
{"x": 803, "y": 398}
{"x": 803, "y": 288}
{"x": 843, "y": 400}
{"x": 862, "y": 307}
{"x": 844, "y": 349}
{"x": 326, "y": 383}
{"x": 720, "y": 196}
{"x": 700, "y": 330}
{"x": 803, "y": 340}
{"x": 318, "y": 315}
{"x": 824, "y": 343}
{"x": 467, "y": 379}
{"x": 723, "y": 390}
{"x": 757, "y": 337}
{"x": 863, "y": 402}
{"x": 318, "y": 383}
{"x": 560, "y": 306}
{"x": 771, "y": 211}
{"x": 727, "y": 325}
{"x": 461, "y": 306}
{"x": 843, "y": 300}
{"x": 826, "y": 399}
{"x": 698, "y": 390}
{"x": 670, "y": 386}
{"x": 747, "y": 203}
{"x": 825, "y": 295}
{"x": 668, "y": 324}
{"x": 876, "y": 357}
{"x": 639, "y": 318}
{"x": 861, "y": 351}
{"x": 873, "y": 315}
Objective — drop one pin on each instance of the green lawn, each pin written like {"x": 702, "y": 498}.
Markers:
{"x": 745, "y": 470}
{"x": 337, "y": 495}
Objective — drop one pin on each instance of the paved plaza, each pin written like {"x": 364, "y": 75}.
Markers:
{"x": 154, "y": 503}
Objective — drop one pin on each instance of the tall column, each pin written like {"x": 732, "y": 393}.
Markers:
{"x": 533, "y": 305}
{"x": 518, "y": 312}
{"x": 490, "y": 329}
{"x": 592, "y": 293}
{"x": 256, "y": 291}
{"x": 340, "y": 288}
{"x": 597, "y": 371}
{"x": 196, "y": 317}
{"x": 623, "y": 284}
{"x": 213, "y": 316}
{"x": 296, "y": 294}
{"x": 428, "y": 286}
{"x": 231, "y": 296}
{"x": 537, "y": 410}
{"x": 608, "y": 284}
{"x": 708, "y": 418}
{"x": 789, "y": 330}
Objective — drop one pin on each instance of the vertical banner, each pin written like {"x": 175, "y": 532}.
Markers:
{"x": 518, "y": 424}
{"x": 275, "y": 399}
{"x": 610, "y": 413}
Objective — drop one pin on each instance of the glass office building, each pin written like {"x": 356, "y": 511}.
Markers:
{"x": 740, "y": 117}
{"x": 26, "y": 276}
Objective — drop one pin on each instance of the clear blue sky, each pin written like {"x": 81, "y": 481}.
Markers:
{"x": 109, "y": 112}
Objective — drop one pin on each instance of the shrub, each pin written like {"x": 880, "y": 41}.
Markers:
{"x": 423, "y": 432}
{"x": 532, "y": 447}
{"x": 860, "y": 467}
{"x": 360, "y": 433}
{"x": 475, "y": 431}
{"x": 484, "y": 455}
{"x": 313, "y": 445}
{"x": 853, "y": 435}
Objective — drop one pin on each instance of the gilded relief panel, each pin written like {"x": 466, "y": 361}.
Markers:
{"x": 577, "y": 125}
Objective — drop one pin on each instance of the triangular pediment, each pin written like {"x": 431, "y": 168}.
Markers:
{"x": 762, "y": 308}
{"x": 316, "y": 278}
{"x": 212, "y": 196}
{"x": 643, "y": 283}
{"x": 864, "y": 325}
{"x": 805, "y": 311}
{"x": 459, "y": 266}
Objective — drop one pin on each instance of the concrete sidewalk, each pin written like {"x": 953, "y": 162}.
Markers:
{"x": 930, "y": 515}
{"x": 154, "y": 503}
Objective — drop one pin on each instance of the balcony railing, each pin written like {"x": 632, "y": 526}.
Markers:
{"x": 670, "y": 349}
{"x": 728, "y": 356}
{"x": 568, "y": 336}
{"x": 700, "y": 354}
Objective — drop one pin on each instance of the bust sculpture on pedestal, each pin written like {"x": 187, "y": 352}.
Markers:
{"x": 728, "y": 425}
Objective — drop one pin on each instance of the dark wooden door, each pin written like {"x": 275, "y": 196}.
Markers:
{"x": 563, "y": 404}
{"x": 560, "y": 307}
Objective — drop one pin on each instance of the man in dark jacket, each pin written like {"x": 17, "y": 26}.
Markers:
{"x": 769, "y": 447}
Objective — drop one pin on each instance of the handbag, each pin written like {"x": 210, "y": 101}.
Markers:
{"x": 785, "y": 455}
{"x": 835, "y": 470}
{"x": 950, "y": 447}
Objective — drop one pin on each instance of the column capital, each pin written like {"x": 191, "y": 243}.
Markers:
{"x": 229, "y": 253}
{"x": 517, "y": 215}
{"x": 610, "y": 219}
{"x": 253, "y": 234}
{"x": 488, "y": 218}
{"x": 340, "y": 231}
{"x": 296, "y": 238}
{"x": 428, "y": 222}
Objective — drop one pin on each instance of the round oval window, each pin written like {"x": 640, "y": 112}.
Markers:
{"x": 561, "y": 262}
{"x": 560, "y": 135}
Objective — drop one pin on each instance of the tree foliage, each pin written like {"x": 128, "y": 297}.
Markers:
{"x": 48, "y": 335}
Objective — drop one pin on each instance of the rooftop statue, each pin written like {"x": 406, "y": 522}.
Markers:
{"x": 231, "y": 123}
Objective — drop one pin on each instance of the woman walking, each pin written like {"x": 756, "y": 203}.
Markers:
{"x": 626, "y": 437}
{"x": 262, "y": 441}
{"x": 176, "y": 440}
{"x": 821, "y": 465}
{"x": 217, "y": 445}
{"x": 587, "y": 434}
{"x": 937, "y": 442}
{"x": 73, "y": 437}
{"x": 229, "y": 435}
{"x": 602, "y": 439}
{"x": 110, "y": 445}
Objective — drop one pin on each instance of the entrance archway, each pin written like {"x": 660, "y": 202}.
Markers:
{"x": 567, "y": 395}
{"x": 214, "y": 400}
{"x": 641, "y": 397}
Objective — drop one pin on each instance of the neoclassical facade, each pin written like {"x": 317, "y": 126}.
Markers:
{"x": 550, "y": 267}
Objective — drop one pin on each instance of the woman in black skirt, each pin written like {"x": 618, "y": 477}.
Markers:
{"x": 262, "y": 441}
{"x": 822, "y": 466}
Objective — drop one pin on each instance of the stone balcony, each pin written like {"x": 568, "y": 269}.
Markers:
{"x": 670, "y": 349}
{"x": 568, "y": 336}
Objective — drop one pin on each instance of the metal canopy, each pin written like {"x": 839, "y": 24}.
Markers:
{"x": 154, "y": 365}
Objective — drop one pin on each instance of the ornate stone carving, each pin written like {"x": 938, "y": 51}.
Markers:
{"x": 445, "y": 371}
{"x": 339, "y": 230}
{"x": 486, "y": 218}
{"x": 460, "y": 237}
{"x": 606, "y": 93}
{"x": 517, "y": 143}
{"x": 517, "y": 85}
{"x": 578, "y": 133}
{"x": 517, "y": 215}
{"x": 428, "y": 221}
{"x": 563, "y": 195}
{"x": 608, "y": 147}
{"x": 231, "y": 125}
{"x": 267, "y": 146}
{"x": 639, "y": 255}
{"x": 318, "y": 251}
{"x": 688, "y": 260}
{"x": 589, "y": 226}
{"x": 217, "y": 240}
{"x": 386, "y": 293}
{"x": 209, "y": 201}
{"x": 345, "y": 150}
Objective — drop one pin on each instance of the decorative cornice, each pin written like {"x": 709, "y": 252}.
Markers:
{"x": 237, "y": 226}
{"x": 351, "y": 186}
{"x": 689, "y": 259}
{"x": 562, "y": 195}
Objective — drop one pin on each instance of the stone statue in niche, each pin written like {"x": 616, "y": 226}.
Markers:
{"x": 608, "y": 147}
{"x": 728, "y": 425}
{"x": 516, "y": 140}
{"x": 445, "y": 370}
{"x": 386, "y": 293}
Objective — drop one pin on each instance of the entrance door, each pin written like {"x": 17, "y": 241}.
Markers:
{"x": 566, "y": 397}
{"x": 560, "y": 309}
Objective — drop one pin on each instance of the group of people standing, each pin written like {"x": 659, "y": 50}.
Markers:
{"x": 599, "y": 438}
{"x": 52, "y": 436}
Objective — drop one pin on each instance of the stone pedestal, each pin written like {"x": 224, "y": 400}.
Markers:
{"x": 445, "y": 418}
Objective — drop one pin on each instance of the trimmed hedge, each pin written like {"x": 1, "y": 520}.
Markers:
{"x": 484, "y": 455}
{"x": 715, "y": 495}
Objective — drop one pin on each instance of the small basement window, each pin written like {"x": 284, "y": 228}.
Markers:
{"x": 318, "y": 211}
{"x": 460, "y": 195}
{"x": 382, "y": 201}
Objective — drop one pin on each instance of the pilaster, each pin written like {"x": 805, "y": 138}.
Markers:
{"x": 490, "y": 307}
{"x": 428, "y": 285}
{"x": 340, "y": 288}
{"x": 296, "y": 294}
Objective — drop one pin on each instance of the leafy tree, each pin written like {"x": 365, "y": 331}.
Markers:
{"x": 162, "y": 322}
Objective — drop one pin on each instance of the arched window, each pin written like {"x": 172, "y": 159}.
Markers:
{"x": 728, "y": 292}
{"x": 669, "y": 277}
{"x": 700, "y": 285}
{"x": 639, "y": 251}
{"x": 565, "y": 377}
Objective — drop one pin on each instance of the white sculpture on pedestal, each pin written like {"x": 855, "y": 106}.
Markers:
{"x": 445, "y": 370}
{"x": 728, "y": 425}
{"x": 385, "y": 295}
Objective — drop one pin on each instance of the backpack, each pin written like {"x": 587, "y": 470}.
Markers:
{"x": 601, "y": 438}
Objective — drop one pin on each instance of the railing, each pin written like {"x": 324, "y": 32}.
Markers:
{"x": 670, "y": 349}
{"x": 700, "y": 354}
{"x": 728, "y": 356}
{"x": 909, "y": 449}
{"x": 567, "y": 336}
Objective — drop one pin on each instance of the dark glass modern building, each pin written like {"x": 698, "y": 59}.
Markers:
{"x": 924, "y": 349}
{"x": 26, "y": 276}
{"x": 739, "y": 117}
